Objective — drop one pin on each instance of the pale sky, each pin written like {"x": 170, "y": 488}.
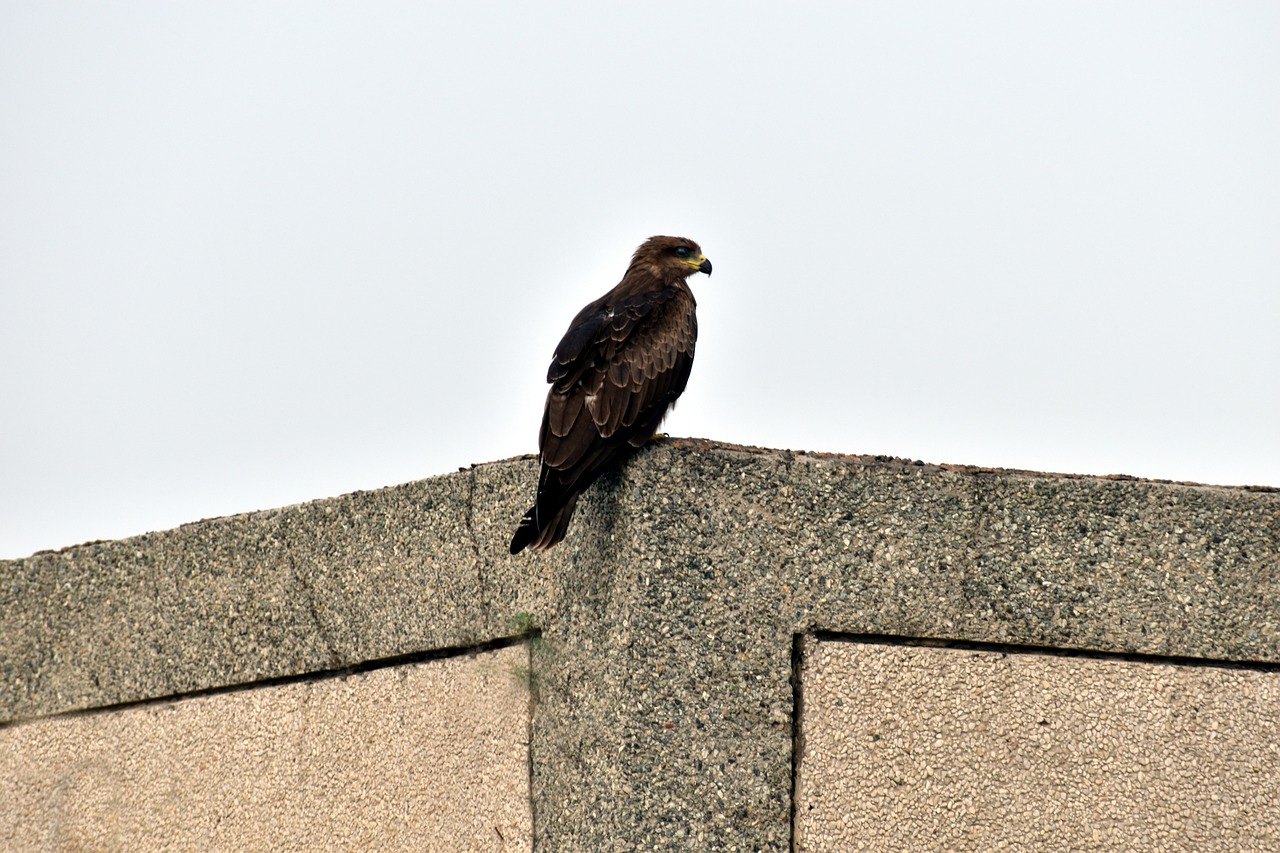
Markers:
{"x": 256, "y": 254}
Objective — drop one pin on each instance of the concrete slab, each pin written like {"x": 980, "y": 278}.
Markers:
{"x": 429, "y": 756}
{"x": 666, "y": 617}
{"x": 981, "y": 751}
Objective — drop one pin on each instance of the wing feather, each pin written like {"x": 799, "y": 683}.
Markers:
{"x": 561, "y": 451}
{"x": 620, "y": 372}
{"x": 563, "y": 410}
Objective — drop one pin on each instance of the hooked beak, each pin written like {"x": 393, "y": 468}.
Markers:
{"x": 699, "y": 265}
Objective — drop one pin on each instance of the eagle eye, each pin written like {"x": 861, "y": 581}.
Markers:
{"x": 682, "y": 251}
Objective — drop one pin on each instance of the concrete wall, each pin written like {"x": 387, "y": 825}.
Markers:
{"x": 668, "y": 669}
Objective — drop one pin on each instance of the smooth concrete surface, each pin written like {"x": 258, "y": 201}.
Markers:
{"x": 667, "y": 617}
{"x": 909, "y": 748}
{"x": 429, "y": 756}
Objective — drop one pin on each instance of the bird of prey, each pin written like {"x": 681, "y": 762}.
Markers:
{"x": 623, "y": 362}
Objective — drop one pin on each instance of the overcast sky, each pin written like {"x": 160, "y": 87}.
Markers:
{"x": 254, "y": 254}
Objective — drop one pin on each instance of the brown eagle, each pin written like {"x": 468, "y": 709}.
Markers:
{"x": 622, "y": 364}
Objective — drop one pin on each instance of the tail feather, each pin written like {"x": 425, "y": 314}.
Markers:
{"x": 551, "y": 530}
{"x": 547, "y": 521}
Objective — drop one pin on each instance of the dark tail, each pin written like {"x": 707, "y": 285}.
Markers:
{"x": 554, "y": 525}
{"x": 547, "y": 521}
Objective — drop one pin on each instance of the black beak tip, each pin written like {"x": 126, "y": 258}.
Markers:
{"x": 705, "y": 266}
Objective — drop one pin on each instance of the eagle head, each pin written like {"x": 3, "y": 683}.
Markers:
{"x": 671, "y": 257}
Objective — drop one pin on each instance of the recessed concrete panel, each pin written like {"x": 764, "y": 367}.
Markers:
{"x": 428, "y": 756}
{"x": 976, "y": 750}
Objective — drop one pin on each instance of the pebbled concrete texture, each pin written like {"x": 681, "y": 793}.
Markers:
{"x": 667, "y": 618}
{"x": 980, "y": 750}
{"x": 426, "y": 756}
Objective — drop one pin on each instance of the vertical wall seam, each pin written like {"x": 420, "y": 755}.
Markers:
{"x": 797, "y": 728}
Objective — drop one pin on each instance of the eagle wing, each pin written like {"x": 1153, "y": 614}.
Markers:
{"x": 615, "y": 373}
